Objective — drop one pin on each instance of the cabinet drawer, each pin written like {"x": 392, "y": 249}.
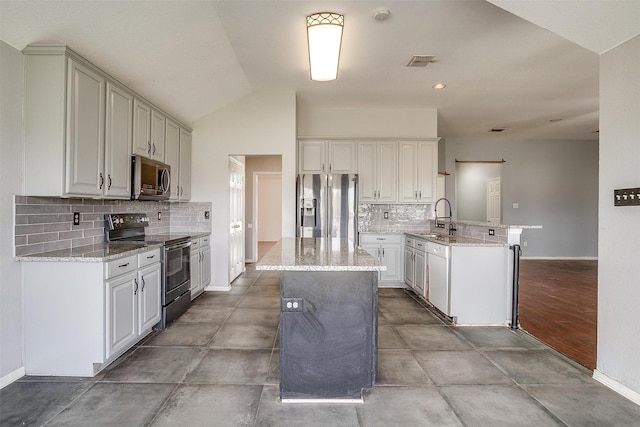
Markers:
{"x": 149, "y": 258}
{"x": 121, "y": 266}
{"x": 420, "y": 245}
{"x": 204, "y": 241}
{"x": 409, "y": 242}
{"x": 381, "y": 238}
{"x": 195, "y": 245}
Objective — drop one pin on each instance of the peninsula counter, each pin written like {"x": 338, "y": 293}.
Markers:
{"x": 328, "y": 318}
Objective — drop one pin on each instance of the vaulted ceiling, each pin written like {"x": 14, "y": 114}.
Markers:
{"x": 193, "y": 57}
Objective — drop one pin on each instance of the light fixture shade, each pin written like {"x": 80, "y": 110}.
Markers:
{"x": 324, "y": 34}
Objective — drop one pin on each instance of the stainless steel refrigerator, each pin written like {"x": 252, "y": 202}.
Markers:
{"x": 327, "y": 206}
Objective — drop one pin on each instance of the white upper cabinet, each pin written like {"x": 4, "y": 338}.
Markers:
{"x": 377, "y": 171}
{"x": 184, "y": 176}
{"x": 418, "y": 171}
{"x": 85, "y": 131}
{"x": 178, "y": 156}
{"x": 172, "y": 156}
{"x": 327, "y": 157}
{"x": 148, "y": 131}
{"x": 81, "y": 127}
{"x": 141, "y": 128}
{"x": 118, "y": 135}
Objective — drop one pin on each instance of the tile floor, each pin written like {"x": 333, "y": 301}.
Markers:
{"x": 218, "y": 366}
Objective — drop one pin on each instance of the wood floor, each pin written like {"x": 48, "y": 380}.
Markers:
{"x": 559, "y": 304}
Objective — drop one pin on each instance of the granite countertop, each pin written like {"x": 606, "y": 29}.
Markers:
{"x": 455, "y": 240}
{"x": 318, "y": 254}
{"x": 99, "y": 252}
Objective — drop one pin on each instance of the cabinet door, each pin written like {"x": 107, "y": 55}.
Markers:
{"x": 427, "y": 171}
{"x": 408, "y": 266}
{"x": 205, "y": 266}
{"x": 158, "y": 123}
{"x": 172, "y": 156}
{"x": 85, "y": 131}
{"x": 149, "y": 297}
{"x": 420, "y": 273}
{"x": 141, "y": 129}
{"x": 408, "y": 172}
{"x": 184, "y": 180}
{"x": 392, "y": 258}
{"x": 121, "y": 312}
{"x": 311, "y": 156}
{"x": 342, "y": 156}
{"x": 118, "y": 140}
{"x": 387, "y": 170}
{"x": 367, "y": 164}
{"x": 195, "y": 273}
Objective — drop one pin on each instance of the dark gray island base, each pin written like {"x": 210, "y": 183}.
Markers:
{"x": 328, "y": 319}
{"x": 328, "y": 350}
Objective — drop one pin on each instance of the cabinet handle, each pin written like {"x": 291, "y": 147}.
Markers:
{"x": 109, "y": 188}
{"x": 382, "y": 252}
{"x": 330, "y": 168}
{"x": 151, "y": 257}
{"x": 149, "y": 147}
{"x": 420, "y": 194}
{"x": 143, "y": 284}
{"x": 101, "y": 180}
{"x": 415, "y": 195}
{"x": 123, "y": 265}
{"x": 135, "y": 291}
{"x": 154, "y": 148}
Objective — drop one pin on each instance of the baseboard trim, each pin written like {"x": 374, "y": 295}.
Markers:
{"x": 215, "y": 288}
{"x": 617, "y": 387}
{"x": 561, "y": 258}
{"x": 11, "y": 377}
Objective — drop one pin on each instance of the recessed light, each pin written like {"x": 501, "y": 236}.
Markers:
{"x": 439, "y": 86}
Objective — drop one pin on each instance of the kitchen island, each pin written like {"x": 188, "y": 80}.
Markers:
{"x": 328, "y": 319}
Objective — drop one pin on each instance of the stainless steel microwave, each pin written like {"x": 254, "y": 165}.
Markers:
{"x": 151, "y": 179}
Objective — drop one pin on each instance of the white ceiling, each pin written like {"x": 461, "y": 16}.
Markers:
{"x": 193, "y": 57}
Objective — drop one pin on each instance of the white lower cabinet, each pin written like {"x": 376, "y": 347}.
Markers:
{"x": 415, "y": 265}
{"x": 80, "y": 316}
{"x": 200, "y": 265}
{"x": 387, "y": 249}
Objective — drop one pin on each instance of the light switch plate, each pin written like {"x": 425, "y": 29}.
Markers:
{"x": 626, "y": 197}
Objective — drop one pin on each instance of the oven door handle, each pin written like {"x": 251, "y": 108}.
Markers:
{"x": 180, "y": 246}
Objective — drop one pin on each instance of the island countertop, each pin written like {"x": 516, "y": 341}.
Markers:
{"x": 318, "y": 254}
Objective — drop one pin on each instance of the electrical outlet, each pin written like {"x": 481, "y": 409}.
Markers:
{"x": 291, "y": 304}
{"x": 386, "y": 215}
{"x": 492, "y": 232}
{"x": 159, "y": 216}
{"x": 207, "y": 214}
{"x": 76, "y": 218}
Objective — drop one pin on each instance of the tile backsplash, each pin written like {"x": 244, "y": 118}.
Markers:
{"x": 401, "y": 218}
{"x": 46, "y": 223}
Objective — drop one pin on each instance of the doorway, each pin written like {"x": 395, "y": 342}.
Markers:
{"x": 263, "y": 206}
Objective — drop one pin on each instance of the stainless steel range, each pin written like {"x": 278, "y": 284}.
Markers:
{"x": 176, "y": 257}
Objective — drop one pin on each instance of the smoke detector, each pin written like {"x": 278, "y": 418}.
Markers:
{"x": 420, "y": 60}
{"x": 382, "y": 14}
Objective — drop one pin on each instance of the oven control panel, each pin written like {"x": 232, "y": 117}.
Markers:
{"x": 126, "y": 220}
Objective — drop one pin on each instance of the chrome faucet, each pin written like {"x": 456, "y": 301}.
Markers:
{"x": 452, "y": 229}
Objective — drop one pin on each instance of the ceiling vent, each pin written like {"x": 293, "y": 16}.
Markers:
{"x": 421, "y": 60}
{"x": 498, "y": 129}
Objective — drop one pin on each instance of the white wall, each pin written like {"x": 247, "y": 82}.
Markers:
{"x": 619, "y": 227}
{"x": 258, "y": 124}
{"x": 11, "y": 182}
{"x": 367, "y": 123}
{"x": 555, "y": 184}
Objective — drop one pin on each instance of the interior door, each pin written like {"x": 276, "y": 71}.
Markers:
{"x": 236, "y": 218}
{"x": 493, "y": 200}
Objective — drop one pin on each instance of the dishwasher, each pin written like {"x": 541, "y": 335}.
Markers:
{"x": 439, "y": 276}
